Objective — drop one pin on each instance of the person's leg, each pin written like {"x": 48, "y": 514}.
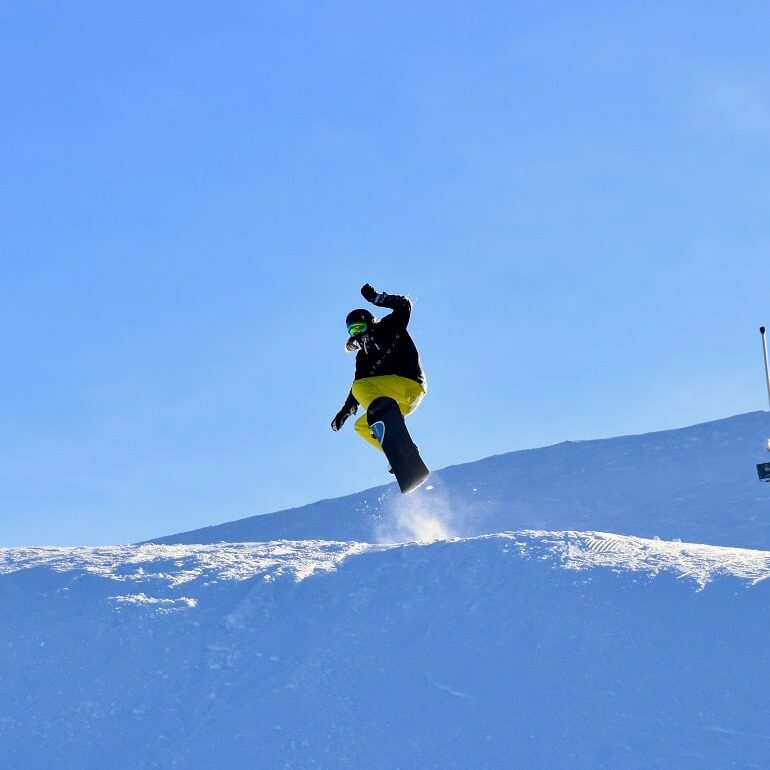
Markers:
{"x": 405, "y": 392}
{"x": 362, "y": 428}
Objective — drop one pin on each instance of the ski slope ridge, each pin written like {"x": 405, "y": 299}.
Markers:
{"x": 697, "y": 484}
{"x": 518, "y": 649}
{"x": 176, "y": 566}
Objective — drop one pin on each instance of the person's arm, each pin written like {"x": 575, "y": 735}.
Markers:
{"x": 401, "y": 306}
{"x": 349, "y": 408}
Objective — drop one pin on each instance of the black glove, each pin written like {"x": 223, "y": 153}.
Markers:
{"x": 370, "y": 294}
{"x": 342, "y": 416}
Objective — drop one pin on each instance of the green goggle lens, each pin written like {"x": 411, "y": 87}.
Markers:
{"x": 357, "y": 328}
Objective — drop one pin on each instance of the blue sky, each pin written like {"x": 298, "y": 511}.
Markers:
{"x": 575, "y": 196}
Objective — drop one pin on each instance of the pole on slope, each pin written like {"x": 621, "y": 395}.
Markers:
{"x": 763, "y": 469}
{"x": 767, "y": 366}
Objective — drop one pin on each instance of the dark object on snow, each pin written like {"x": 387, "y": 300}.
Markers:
{"x": 388, "y": 427}
{"x": 763, "y": 471}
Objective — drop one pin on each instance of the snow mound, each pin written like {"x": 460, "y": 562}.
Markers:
{"x": 172, "y": 566}
{"x": 573, "y": 649}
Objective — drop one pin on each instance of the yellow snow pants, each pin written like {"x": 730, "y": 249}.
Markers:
{"x": 405, "y": 392}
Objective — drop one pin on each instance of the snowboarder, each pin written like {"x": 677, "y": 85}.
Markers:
{"x": 387, "y": 361}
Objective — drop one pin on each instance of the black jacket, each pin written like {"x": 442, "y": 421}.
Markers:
{"x": 387, "y": 347}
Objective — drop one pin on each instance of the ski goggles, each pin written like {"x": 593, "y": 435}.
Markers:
{"x": 359, "y": 327}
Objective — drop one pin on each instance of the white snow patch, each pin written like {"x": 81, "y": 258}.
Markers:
{"x": 175, "y": 565}
{"x": 415, "y": 520}
{"x": 162, "y": 606}
{"x": 624, "y": 553}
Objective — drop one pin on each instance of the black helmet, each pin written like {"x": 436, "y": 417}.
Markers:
{"x": 360, "y": 316}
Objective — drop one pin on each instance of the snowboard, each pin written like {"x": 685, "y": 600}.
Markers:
{"x": 387, "y": 425}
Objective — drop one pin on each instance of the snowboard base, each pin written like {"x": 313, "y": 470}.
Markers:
{"x": 389, "y": 428}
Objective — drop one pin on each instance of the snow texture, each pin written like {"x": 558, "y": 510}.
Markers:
{"x": 537, "y": 647}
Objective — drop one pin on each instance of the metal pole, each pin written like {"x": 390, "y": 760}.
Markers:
{"x": 767, "y": 366}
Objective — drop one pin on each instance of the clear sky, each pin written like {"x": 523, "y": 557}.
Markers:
{"x": 575, "y": 196}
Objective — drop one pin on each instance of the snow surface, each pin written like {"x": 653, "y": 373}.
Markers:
{"x": 532, "y": 647}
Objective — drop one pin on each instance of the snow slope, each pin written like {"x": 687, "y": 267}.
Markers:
{"x": 697, "y": 484}
{"x": 529, "y": 649}
{"x": 527, "y": 636}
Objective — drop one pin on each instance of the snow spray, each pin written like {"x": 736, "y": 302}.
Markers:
{"x": 420, "y": 518}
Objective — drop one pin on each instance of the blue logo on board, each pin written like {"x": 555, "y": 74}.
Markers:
{"x": 378, "y": 431}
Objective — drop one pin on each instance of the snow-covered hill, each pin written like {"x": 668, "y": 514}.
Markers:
{"x": 698, "y": 484}
{"x": 530, "y": 649}
{"x": 544, "y": 626}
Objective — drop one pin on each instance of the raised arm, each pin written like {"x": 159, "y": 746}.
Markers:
{"x": 401, "y": 306}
